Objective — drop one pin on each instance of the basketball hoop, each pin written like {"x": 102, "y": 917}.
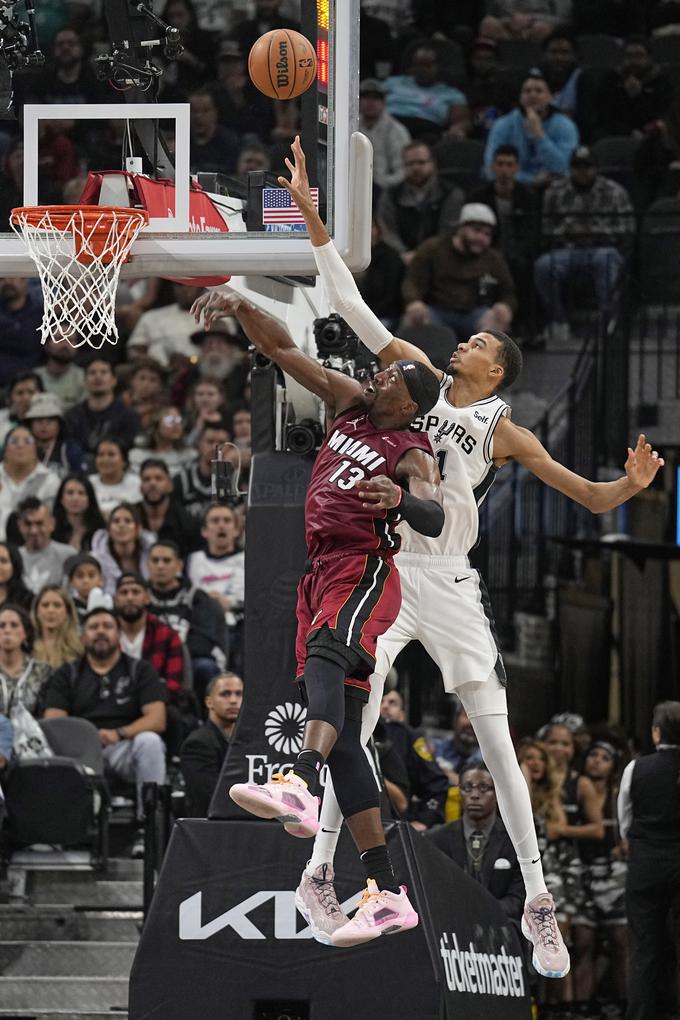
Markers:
{"x": 78, "y": 250}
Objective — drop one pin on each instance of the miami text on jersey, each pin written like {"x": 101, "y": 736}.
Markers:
{"x": 355, "y": 449}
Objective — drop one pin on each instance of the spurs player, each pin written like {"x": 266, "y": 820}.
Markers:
{"x": 444, "y": 603}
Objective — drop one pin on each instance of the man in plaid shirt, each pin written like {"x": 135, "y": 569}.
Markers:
{"x": 144, "y": 636}
{"x": 588, "y": 227}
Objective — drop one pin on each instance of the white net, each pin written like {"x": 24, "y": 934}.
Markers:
{"x": 79, "y": 251}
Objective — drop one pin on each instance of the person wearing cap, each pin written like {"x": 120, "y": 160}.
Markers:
{"x": 371, "y": 471}
{"x": 165, "y": 333}
{"x": 588, "y": 227}
{"x": 419, "y": 207}
{"x": 56, "y": 451}
{"x": 86, "y": 580}
{"x": 460, "y": 281}
{"x": 386, "y": 134}
{"x": 424, "y": 103}
{"x": 543, "y": 137}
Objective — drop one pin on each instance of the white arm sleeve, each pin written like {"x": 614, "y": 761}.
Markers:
{"x": 625, "y": 804}
{"x": 344, "y": 298}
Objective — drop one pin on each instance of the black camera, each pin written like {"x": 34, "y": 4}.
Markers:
{"x": 304, "y": 436}
{"x": 340, "y": 348}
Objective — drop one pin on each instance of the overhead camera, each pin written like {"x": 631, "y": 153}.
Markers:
{"x": 132, "y": 27}
{"x": 340, "y": 348}
{"x": 19, "y": 48}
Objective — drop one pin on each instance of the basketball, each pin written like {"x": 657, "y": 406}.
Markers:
{"x": 282, "y": 64}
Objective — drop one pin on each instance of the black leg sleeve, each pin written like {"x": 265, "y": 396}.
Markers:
{"x": 355, "y": 784}
{"x": 324, "y": 682}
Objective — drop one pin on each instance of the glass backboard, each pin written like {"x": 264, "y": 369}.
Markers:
{"x": 120, "y": 88}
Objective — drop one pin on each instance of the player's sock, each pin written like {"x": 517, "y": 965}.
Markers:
{"x": 512, "y": 793}
{"x": 308, "y": 765}
{"x": 378, "y": 866}
{"x": 325, "y": 843}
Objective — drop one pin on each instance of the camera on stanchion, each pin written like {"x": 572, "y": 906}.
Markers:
{"x": 340, "y": 348}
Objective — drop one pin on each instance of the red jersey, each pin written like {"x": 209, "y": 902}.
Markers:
{"x": 354, "y": 450}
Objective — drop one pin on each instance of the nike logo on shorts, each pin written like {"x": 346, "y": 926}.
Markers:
{"x": 457, "y": 580}
{"x": 536, "y": 861}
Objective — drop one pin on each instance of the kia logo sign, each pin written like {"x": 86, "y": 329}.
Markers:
{"x": 192, "y": 928}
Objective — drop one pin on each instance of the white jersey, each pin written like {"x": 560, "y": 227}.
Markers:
{"x": 462, "y": 440}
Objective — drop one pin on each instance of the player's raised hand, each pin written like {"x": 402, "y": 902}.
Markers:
{"x": 298, "y": 185}
{"x": 643, "y": 463}
{"x": 379, "y": 494}
{"x": 213, "y": 305}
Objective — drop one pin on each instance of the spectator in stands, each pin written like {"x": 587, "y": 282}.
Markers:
{"x": 122, "y": 697}
{"x": 588, "y": 227}
{"x": 22, "y": 678}
{"x": 196, "y": 617}
{"x": 387, "y": 135}
{"x": 123, "y": 547}
{"x": 428, "y": 784}
{"x": 657, "y": 158}
{"x": 461, "y": 281}
{"x": 424, "y": 103}
{"x": 69, "y": 78}
{"x": 76, "y": 512}
{"x": 523, "y": 19}
{"x": 55, "y": 451}
{"x": 86, "y": 581}
{"x": 59, "y": 375}
{"x": 241, "y": 107}
{"x": 543, "y": 137}
{"x": 517, "y": 209}
{"x": 193, "y": 484}
{"x": 219, "y": 571}
{"x": 43, "y": 558}
{"x": 392, "y": 707}
{"x": 459, "y": 751}
{"x": 145, "y": 392}
{"x": 194, "y": 65}
{"x": 144, "y": 636}
{"x": 205, "y": 402}
{"x": 221, "y": 357}
{"x": 212, "y": 146}
{"x": 649, "y": 819}
{"x": 376, "y": 46}
{"x": 113, "y": 482}
{"x": 252, "y": 157}
{"x": 479, "y": 844}
{"x": 23, "y": 387}
{"x": 485, "y": 90}
{"x": 22, "y": 475}
{"x": 55, "y": 621}
{"x": 605, "y": 879}
{"x": 21, "y": 311}
{"x": 203, "y": 752}
{"x": 380, "y": 283}
{"x": 167, "y": 442}
{"x": 563, "y": 72}
{"x": 632, "y": 97}
{"x": 101, "y": 414}
{"x": 580, "y": 801}
{"x": 162, "y": 514}
{"x": 165, "y": 334}
{"x": 267, "y": 17}
{"x": 12, "y": 587}
{"x": 418, "y": 208}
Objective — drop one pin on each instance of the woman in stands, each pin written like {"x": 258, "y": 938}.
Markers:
{"x": 605, "y": 880}
{"x": 123, "y": 546}
{"x": 76, "y": 512}
{"x": 22, "y": 475}
{"x": 113, "y": 481}
{"x": 22, "y": 678}
{"x": 56, "y": 627}
{"x": 206, "y": 402}
{"x": 12, "y": 587}
{"x": 167, "y": 441}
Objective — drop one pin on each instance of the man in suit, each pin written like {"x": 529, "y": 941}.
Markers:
{"x": 479, "y": 844}
{"x": 203, "y": 752}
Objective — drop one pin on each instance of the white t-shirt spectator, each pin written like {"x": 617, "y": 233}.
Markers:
{"x": 109, "y": 496}
{"x": 225, "y": 574}
{"x": 165, "y": 331}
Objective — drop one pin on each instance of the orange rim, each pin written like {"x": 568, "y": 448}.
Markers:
{"x": 61, "y": 216}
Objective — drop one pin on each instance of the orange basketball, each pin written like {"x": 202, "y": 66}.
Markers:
{"x": 282, "y": 64}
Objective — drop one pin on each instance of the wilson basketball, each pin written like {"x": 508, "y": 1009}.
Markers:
{"x": 282, "y": 64}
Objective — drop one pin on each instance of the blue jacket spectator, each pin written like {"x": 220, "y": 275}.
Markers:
{"x": 21, "y": 312}
{"x": 426, "y": 105}
{"x": 544, "y": 138}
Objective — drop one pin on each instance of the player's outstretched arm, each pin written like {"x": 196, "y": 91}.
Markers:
{"x": 419, "y": 504}
{"x": 511, "y": 441}
{"x": 341, "y": 289}
{"x": 271, "y": 339}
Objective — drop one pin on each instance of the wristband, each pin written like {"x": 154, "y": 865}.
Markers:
{"x": 121, "y": 733}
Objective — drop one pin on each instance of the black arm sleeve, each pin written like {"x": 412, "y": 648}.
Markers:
{"x": 424, "y": 515}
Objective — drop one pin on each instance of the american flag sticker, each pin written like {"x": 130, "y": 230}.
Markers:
{"x": 278, "y": 206}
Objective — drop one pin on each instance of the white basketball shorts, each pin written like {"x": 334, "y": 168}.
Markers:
{"x": 445, "y": 606}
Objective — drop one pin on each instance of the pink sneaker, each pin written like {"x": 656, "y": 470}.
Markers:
{"x": 539, "y": 926}
{"x": 285, "y": 798}
{"x": 379, "y": 913}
